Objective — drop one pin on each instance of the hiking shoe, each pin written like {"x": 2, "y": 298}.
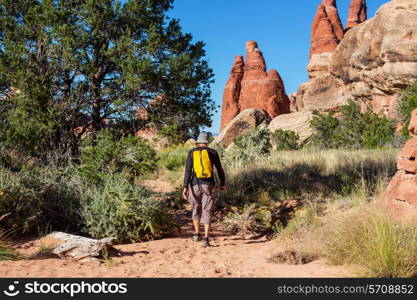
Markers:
{"x": 206, "y": 242}
{"x": 196, "y": 237}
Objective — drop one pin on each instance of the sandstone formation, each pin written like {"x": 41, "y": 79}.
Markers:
{"x": 372, "y": 64}
{"x": 250, "y": 86}
{"x": 76, "y": 247}
{"x": 243, "y": 123}
{"x": 230, "y": 107}
{"x": 298, "y": 122}
{"x": 326, "y": 33}
{"x": 327, "y": 29}
{"x": 401, "y": 194}
{"x": 357, "y": 13}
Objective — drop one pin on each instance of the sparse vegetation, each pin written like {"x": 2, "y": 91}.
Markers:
{"x": 352, "y": 129}
{"x": 308, "y": 175}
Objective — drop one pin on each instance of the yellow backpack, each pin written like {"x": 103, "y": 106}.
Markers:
{"x": 202, "y": 164}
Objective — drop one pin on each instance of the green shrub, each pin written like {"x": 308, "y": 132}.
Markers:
{"x": 174, "y": 133}
{"x": 38, "y": 201}
{"x": 325, "y": 126}
{"x": 353, "y": 130}
{"x": 122, "y": 210}
{"x": 109, "y": 153}
{"x": 285, "y": 140}
{"x": 374, "y": 241}
{"x": 250, "y": 146}
{"x": 406, "y": 104}
{"x": 174, "y": 159}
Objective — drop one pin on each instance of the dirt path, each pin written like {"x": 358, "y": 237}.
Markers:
{"x": 228, "y": 256}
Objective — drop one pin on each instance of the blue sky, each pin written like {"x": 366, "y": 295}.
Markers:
{"x": 281, "y": 28}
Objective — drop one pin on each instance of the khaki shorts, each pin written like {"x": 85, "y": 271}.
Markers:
{"x": 201, "y": 197}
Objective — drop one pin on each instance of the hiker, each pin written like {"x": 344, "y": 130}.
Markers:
{"x": 199, "y": 184}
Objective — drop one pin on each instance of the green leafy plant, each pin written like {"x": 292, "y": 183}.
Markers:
{"x": 174, "y": 158}
{"x": 353, "y": 129}
{"x": 73, "y": 67}
{"x": 108, "y": 153}
{"x": 285, "y": 140}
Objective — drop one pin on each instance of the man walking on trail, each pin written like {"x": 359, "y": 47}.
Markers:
{"x": 199, "y": 184}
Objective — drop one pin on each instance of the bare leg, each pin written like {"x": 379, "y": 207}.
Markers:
{"x": 196, "y": 226}
{"x": 206, "y": 230}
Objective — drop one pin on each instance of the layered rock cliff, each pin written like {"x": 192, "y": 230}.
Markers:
{"x": 373, "y": 62}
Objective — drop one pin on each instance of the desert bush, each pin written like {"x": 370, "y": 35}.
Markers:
{"x": 110, "y": 153}
{"x": 354, "y": 129}
{"x": 254, "y": 145}
{"x": 38, "y": 201}
{"x": 174, "y": 158}
{"x": 250, "y": 219}
{"x": 122, "y": 210}
{"x": 285, "y": 140}
{"x": 373, "y": 241}
{"x": 406, "y": 104}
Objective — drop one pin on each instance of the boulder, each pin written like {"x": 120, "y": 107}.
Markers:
{"x": 357, "y": 13}
{"x": 77, "y": 247}
{"x": 298, "y": 122}
{"x": 242, "y": 124}
{"x": 254, "y": 88}
{"x": 373, "y": 62}
{"x": 401, "y": 193}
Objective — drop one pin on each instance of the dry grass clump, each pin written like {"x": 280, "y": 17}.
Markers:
{"x": 292, "y": 257}
{"x": 6, "y": 252}
{"x": 372, "y": 240}
{"x": 364, "y": 237}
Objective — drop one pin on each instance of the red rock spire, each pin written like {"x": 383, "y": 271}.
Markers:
{"x": 327, "y": 29}
{"x": 230, "y": 107}
{"x": 357, "y": 13}
{"x": 250, "y": 86}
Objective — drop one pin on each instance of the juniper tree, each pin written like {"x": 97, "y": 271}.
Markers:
{"x": 76, "y": 62}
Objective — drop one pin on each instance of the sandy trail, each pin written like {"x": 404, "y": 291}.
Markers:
{"x": 179, "y": 256}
